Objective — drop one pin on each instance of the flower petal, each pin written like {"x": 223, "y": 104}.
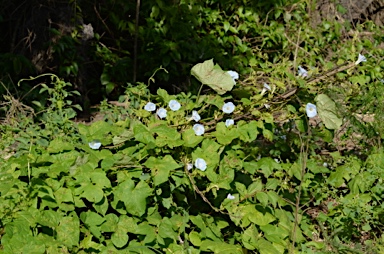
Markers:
{"x": 360, "y": 59}
{"x": 200, "y": 164}
{"x": 162, "y": 113}
{"x": 174, "y": 105}
{"x": 94, "y": 144}
{"x": 229, "y": 122}
{"x": 311, "y": 110}
{"x": 228, "y": 107}
{"x": 199, "y": 129}
{"x": 150, "y": 107}
{"x": 303, "y": 72}
{"x": 195, "y": 116}
{"x": 230, "y": 196}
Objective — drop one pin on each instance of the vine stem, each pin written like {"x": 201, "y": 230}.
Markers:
{"x": 304, "y": 156}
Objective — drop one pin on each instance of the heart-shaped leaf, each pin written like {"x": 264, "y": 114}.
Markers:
{"x": 213, "y": 76}
{"x": 326, "y": 108}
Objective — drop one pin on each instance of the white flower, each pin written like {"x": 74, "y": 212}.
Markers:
{"x": 200, "y": 164}
{"x": 229, "y": 122}
{"x": 195, "y": 116}
{"x": 94, "y": 144}
{"x": 189, "y": 166}
{"x": 150, "y": 107}
{"x": 162, "y": 113}
{"x": 174, "y": 105}
{"x": 199, "y": 129}
{"x": 228, "y": 107}
{"x": 311, "y": 110}
{"x": 267, "y": 106}
{"x": 234, "y": 75}
{"x": 230, "y": 196}
{"x": 360, "y": 59}
{"x": 266, "y": 88}
{"x": 325, "y": 164}
{"x": 302, "y": 72}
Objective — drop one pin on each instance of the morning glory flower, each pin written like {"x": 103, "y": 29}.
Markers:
{"x": 228, "y": 107}
{"x": 189, "y": 166}
{"x": 230, "y": 196}
{"x": 302, "y": 72}
{"x": 311, "y": 110}
{"x": 199, "y": 129}
{"x": 229, "y": 122}
{"x": 94, "y": 144}
{"x": 200, "y": 164}
{"x": 195, "y": 116}
{"x": 266, "y": 87}
{"x": 174, "y": 105}
{"x": 360, "y": 59}
{"x": 162, "y": 113}
{"x": 150, "y": 107}
{"x": 234, "y": 75}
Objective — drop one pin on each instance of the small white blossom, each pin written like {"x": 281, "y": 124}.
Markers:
{"x": 228, "y": 107}
{"x": 150, "y": 107}
{"x": 360, "y": 59}
{"x": 174, "y": 105}
{"x": 266, "y": 88}
{"x": 230, "y": 196}
{"x": 302, "y": 72}
{"x": 162, "y": 113}
{"x": 200, "y": 164}
{"x": 94, "y": 144}
{"x": 325, "y": 164}
{"x": 189, "y": 166}
{"x": 311, "y": 110}
{"x": 229, "y": 122}
{"x": 199, "y": 129}
{"x": 267, "y": 106}
{"x": 195, "y": 116}
{"x": 234, "y": 75}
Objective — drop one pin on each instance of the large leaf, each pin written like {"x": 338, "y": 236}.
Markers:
{"x": 213, "y": 76}
{"x": 327, "y": 110}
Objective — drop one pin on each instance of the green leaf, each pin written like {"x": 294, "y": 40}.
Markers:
{"x": 225, "y": 135}
{"x": 220, "y": 247}
{"x": 213, "y": 76}
{"x": 134, "y": 197}
{"x": 248, "y": 131}
{"x": 68, "y": 231}
{"x": 142, "y": 134}
{"x": 166, "y": 229}
{"x": 92, "y": 193}
{"x": 110, "y": 223}
{"x": 161, "y": 167}
{"x": 190, "y": 139}
{"x": 328, "y": 112}
{"x": 167, "y": 136}
{"x": 119, "y": 238}
{"x": 267, "y": 165}
{"x": 58, "y": 145}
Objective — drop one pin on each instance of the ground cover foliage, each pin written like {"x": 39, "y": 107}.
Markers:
{"x": 172, "y": 173}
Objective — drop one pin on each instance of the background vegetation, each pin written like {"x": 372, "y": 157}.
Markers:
{"x": 77, "y": 177}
